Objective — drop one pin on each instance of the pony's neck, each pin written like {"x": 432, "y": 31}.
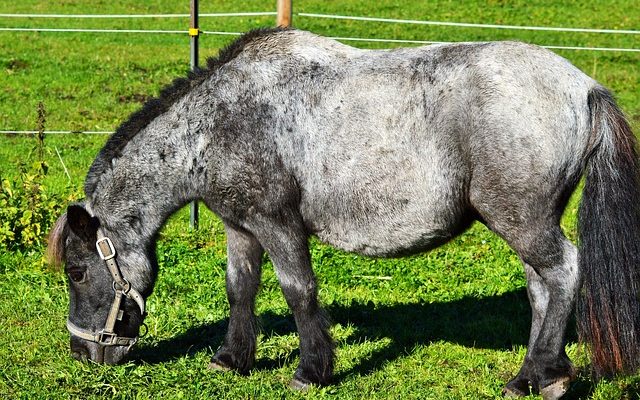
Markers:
{"x": 152, "y": 178}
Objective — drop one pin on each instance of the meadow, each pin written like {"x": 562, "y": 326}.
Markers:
{"x": 448, "y": 324}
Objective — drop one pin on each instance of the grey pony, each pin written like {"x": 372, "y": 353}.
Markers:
{"x": 379, "y": 152}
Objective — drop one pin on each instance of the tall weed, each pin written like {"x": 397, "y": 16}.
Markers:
{"x": 27, "y": 208}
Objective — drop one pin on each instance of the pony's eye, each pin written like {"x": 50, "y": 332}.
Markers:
{"x": 76, "y": 276}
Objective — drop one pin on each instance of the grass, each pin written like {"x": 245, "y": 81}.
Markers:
{"x": 448, "y": 324}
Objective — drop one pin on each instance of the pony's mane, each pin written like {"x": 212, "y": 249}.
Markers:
{"x": 155, "y": 107}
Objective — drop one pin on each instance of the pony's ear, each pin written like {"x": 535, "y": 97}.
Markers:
{"x": 55, "y": 243}
{"x": 82, "y": 223}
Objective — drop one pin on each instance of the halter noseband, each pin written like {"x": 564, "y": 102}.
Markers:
{"x": 122, "y": 288}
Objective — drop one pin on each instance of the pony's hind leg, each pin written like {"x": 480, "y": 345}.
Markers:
{"x": 521, "y": 195}
{"x": 538, "y": 299}
{"x": 529, "y": 221}
{"x": 244, "y": 259}
{"x": 552, "y": 273}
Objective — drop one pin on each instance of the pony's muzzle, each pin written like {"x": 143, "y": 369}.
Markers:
{"x": 83, "y": 350}
{"x": 80, "y": 353}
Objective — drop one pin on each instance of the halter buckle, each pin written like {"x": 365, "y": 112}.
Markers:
{"x": 125, "y": 287}
{"x": 107, "y": 338}
{"x": 110, "y": 248}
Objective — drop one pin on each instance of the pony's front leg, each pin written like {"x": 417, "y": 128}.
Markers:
{"x": 286, "y": 243}
{"x": 244, "y": 259}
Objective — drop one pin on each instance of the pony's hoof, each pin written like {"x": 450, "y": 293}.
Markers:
{"x": 218, "y": 366}
{"x": 555, "y": 390}
{"x": 517, "y": 387}
{"x": 297, "y": 384}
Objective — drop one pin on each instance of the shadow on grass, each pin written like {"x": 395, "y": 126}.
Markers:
{"x": 498, "y": 322}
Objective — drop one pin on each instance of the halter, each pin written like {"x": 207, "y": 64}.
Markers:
{"x": 122, "y": 288}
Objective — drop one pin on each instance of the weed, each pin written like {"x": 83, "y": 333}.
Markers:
{"x": 27, "y": 208}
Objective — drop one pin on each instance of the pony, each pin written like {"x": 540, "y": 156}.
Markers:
{"x": 287, "y": 134}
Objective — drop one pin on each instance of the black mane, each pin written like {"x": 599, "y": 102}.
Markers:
{"x": 157, "y": 106}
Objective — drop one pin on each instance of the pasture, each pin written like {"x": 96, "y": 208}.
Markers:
{"x": 451, "y": 323}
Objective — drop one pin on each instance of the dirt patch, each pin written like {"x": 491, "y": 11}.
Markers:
{"x": 136, "y": 97}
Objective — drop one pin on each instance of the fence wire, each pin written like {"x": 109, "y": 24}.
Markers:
{"x": 469, "y": 25}
{"x": 304, "y": 15}
{"x": 333, "y": 16}
{"x": 11, "y": 132}
{"x": 117, "y": 16}
{"x": 342, "y": 38}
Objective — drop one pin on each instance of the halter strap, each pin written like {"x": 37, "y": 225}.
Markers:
{"x": 103, "y": 338}
{"x": 122, "y": 288}
{"x": 108, "y": 255}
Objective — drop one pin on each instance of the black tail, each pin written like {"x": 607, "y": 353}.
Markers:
{"x": 609, "y": 228}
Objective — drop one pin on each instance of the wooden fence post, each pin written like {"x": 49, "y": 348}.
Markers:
{"x": 284, "y": 12}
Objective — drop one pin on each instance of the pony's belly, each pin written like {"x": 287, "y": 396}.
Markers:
{"x": 385, "y": 218}
{"x": 385, "y": 239}
{"x": 402, "y": 201}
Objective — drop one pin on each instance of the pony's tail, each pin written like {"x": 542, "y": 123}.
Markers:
{"x": 608, "y": 311}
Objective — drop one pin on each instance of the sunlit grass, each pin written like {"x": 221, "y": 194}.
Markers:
{"x": 448, "y": 324}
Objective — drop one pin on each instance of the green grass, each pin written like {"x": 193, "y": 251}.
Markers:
{"x": 448, "y": 324}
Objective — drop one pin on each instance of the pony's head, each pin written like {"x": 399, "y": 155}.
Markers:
{"x": 106, "y": 307}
